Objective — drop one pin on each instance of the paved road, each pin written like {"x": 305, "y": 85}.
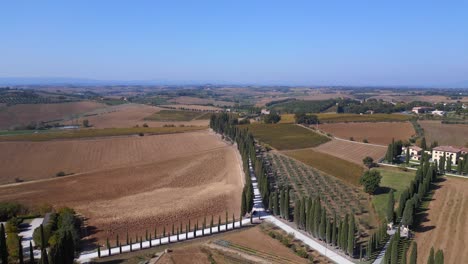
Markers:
{"x": 26, "y": 234}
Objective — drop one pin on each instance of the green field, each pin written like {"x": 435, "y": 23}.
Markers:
{"x": 176, "y": 115}
{"x": 337, "y": 118}
{"x": 89, "y": 133}
{"x": 286, "y": 136}
{"x": 395, "y": 179}
{"x": 339, "y": 168}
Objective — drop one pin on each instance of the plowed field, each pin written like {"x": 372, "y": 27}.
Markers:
{"x": 352, "y": 151}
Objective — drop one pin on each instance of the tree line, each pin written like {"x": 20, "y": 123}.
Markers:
{"x": 226, "y": 125}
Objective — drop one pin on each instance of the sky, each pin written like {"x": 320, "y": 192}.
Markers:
{"x": 239, "y": 42}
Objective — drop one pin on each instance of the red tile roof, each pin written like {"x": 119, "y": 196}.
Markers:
{"x": 447, "y": 149}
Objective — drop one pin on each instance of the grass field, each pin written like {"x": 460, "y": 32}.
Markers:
{"x": 352, "y": 151}
{"x": 337, "y": 118}
{"x": 286, "y": 136}
{"x": 392, "y": 178}
{"x": 89, "y": 133}
{"x": 175, "y": 115}
{"x": 339, "y": 168}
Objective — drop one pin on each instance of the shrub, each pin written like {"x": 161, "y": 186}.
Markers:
{"x": 302, "y": 253}
{"x": 60, "y": 174}
{"x": 10, "y": 209}
{"x": 141, "y": 134}
{"x": 145, "y": 125}
{"x": 351, "y": 138}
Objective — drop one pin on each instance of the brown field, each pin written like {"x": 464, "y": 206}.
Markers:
{"x": 187, "y": 100}
{"x": 24, "y": 114}
{"x": 352, "y": 151}
{"x": 129, "y": 115}
{"x": 134, "y": 183}
{"x": 445, "y": 224}
{"x": 445, "y": 134}
{"x": 376, "y": 133}
{"x": 193, "y": 107}
{"x": 410, "y": 98}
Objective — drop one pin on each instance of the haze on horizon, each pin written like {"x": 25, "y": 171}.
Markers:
{"x": 258, "y": 42}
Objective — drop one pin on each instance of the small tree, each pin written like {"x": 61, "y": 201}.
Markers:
{"x": 368, "y": 162}
{"x": 370, "y": 180}
{"x": 390, "y": 206}
{"x": 407, "y": 157}
{"x": 439, "y": 257}
{"x": 86, "y": 123}
{"x": 431, "y": 259}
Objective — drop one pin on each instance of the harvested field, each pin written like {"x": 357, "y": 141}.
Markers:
{"x": 410, "y": 98}
{"x": 84, "y": 156}
{"x": 339, "y": 168}
{"x": 129, "y": 115}
{"x": 338, "y": 118}
{"x": 286, "y": 136}
{"x": 177, "y": 115}
{"x": 93, "y": 133}
{"x": 193, "y": 107}
{"x": 187, "y": 100}
{"x": 352, "y": 151}
{"x": 445, "y": 134}
{"x": 377, "y": 133}
{"x": 444, "y": 225}
{"x": 136, "y": 183}
{"x": 24, "y": 114}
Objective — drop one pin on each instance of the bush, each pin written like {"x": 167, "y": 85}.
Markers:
{"x": 141, "y": 134}
{"x": 61, "y": 174}
{"x": 302, "y": 253}
{"x": 370, "y": 180}
{"x": 351, "y": 138}
{"x": 12, "y": 225}
{"x": 10, "y": 209}
{"x": 365, "y": 140}
{"x": 145, "y": 125}
{"x": 12, "y": 242}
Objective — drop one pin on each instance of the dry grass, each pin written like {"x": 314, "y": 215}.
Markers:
{"x": 24, "y": 114}
{"x": 136, "y": 185}
{"x": 445, "y": 134}
{"x": 338, "y": 118}
{"x": 187, "y": 100}
{"x": 339, "y": 168}
{"x": 377, "y": 133}
{"x": 444, "y": 224}
{"x": 352, "y": 151}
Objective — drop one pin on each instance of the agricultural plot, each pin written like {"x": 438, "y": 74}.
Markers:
{"x": 377, "y": 133}
{"x": 192, "y": 107}
{"x": 93, "y": 133}
{"x": 187, "y": 100}
{"x": 175, "y": 115}
{"x": 445, "y": 134}
{"x": 352, "y": 151}
{"x": 286, "y": 136}
{"x": 339, "y": 168}
{"x": 133, "y": 184}
{"x": 339, "y": 118}
{"x": 392, "y": 178}
{"x": 24, "y": 114}
{"x": 444, "y": 225}
{"x": 336, "y": 195}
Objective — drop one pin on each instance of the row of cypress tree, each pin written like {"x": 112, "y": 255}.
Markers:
{"x": 279, "y": 203}
{"x": 311, "y": 216}
{"x": 393, "y": 150}
{"x": 226, "y": 125}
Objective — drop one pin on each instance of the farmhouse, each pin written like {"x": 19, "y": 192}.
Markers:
{"x": 421, "y": 109}
{"x": 414, "y": 152}
{"x": 438, "y": 112}
{"x": 265, "y": 112}
{"x": 449, "y": 152}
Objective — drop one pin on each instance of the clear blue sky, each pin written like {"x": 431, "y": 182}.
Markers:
{"x": 286, "y": 42}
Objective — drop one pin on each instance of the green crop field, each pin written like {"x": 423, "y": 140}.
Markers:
{"x": 339, "y": 168}
{"x": 337, "y": 118}
{"x": 89, "y": 133}
{"x": 175, "y": 115}
{"x": 286, "y": 136}
{"x": 392, "y": 178}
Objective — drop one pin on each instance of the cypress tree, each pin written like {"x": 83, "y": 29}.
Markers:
{"x": 303, "y": 213}
{"x": 407, "y": 158}
{"x": 328, "y": 232}
{"x": 226, "y": 219}
{"x": 405, "y": 252}
{"x": 407, "y": 218}
{"x": 234, "y": 221}
{"x": 127, "y": 238}
{"x": 31, "y": 253}
{"x": 276, "y": 208}
{"x": 351, "y": 231}
{"x": 339, "y": 239}
{"x": 98, "y": 252}
{"x": 431, "y": 260}
{"x": 323, "y": 226}
{"x": 345, "y": 233}
{"x": 439, "y": 257}
{"x": 141, "y": 242}
{"x": 240, "y": 221}
{"x": 3, "y": 246}
{"x": 173, "y": 230}
{"x": 20, "y": 252}
{"x": 219, "y": 223}
{"x": 286, "y": 207}
{"x": 297, "y": 209}
{"x": 317, "y": 215}
{"x": 390, "y": 205}
{"x": 414, "y": 253}
{"x": 394, "y": 252}
{"x": 243, "y": 203}
{"x": 449, "y": 164}
{"x": 211, "y": 225}
{"x": 388, "y": 253}
{"x": 334, "y": 227}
